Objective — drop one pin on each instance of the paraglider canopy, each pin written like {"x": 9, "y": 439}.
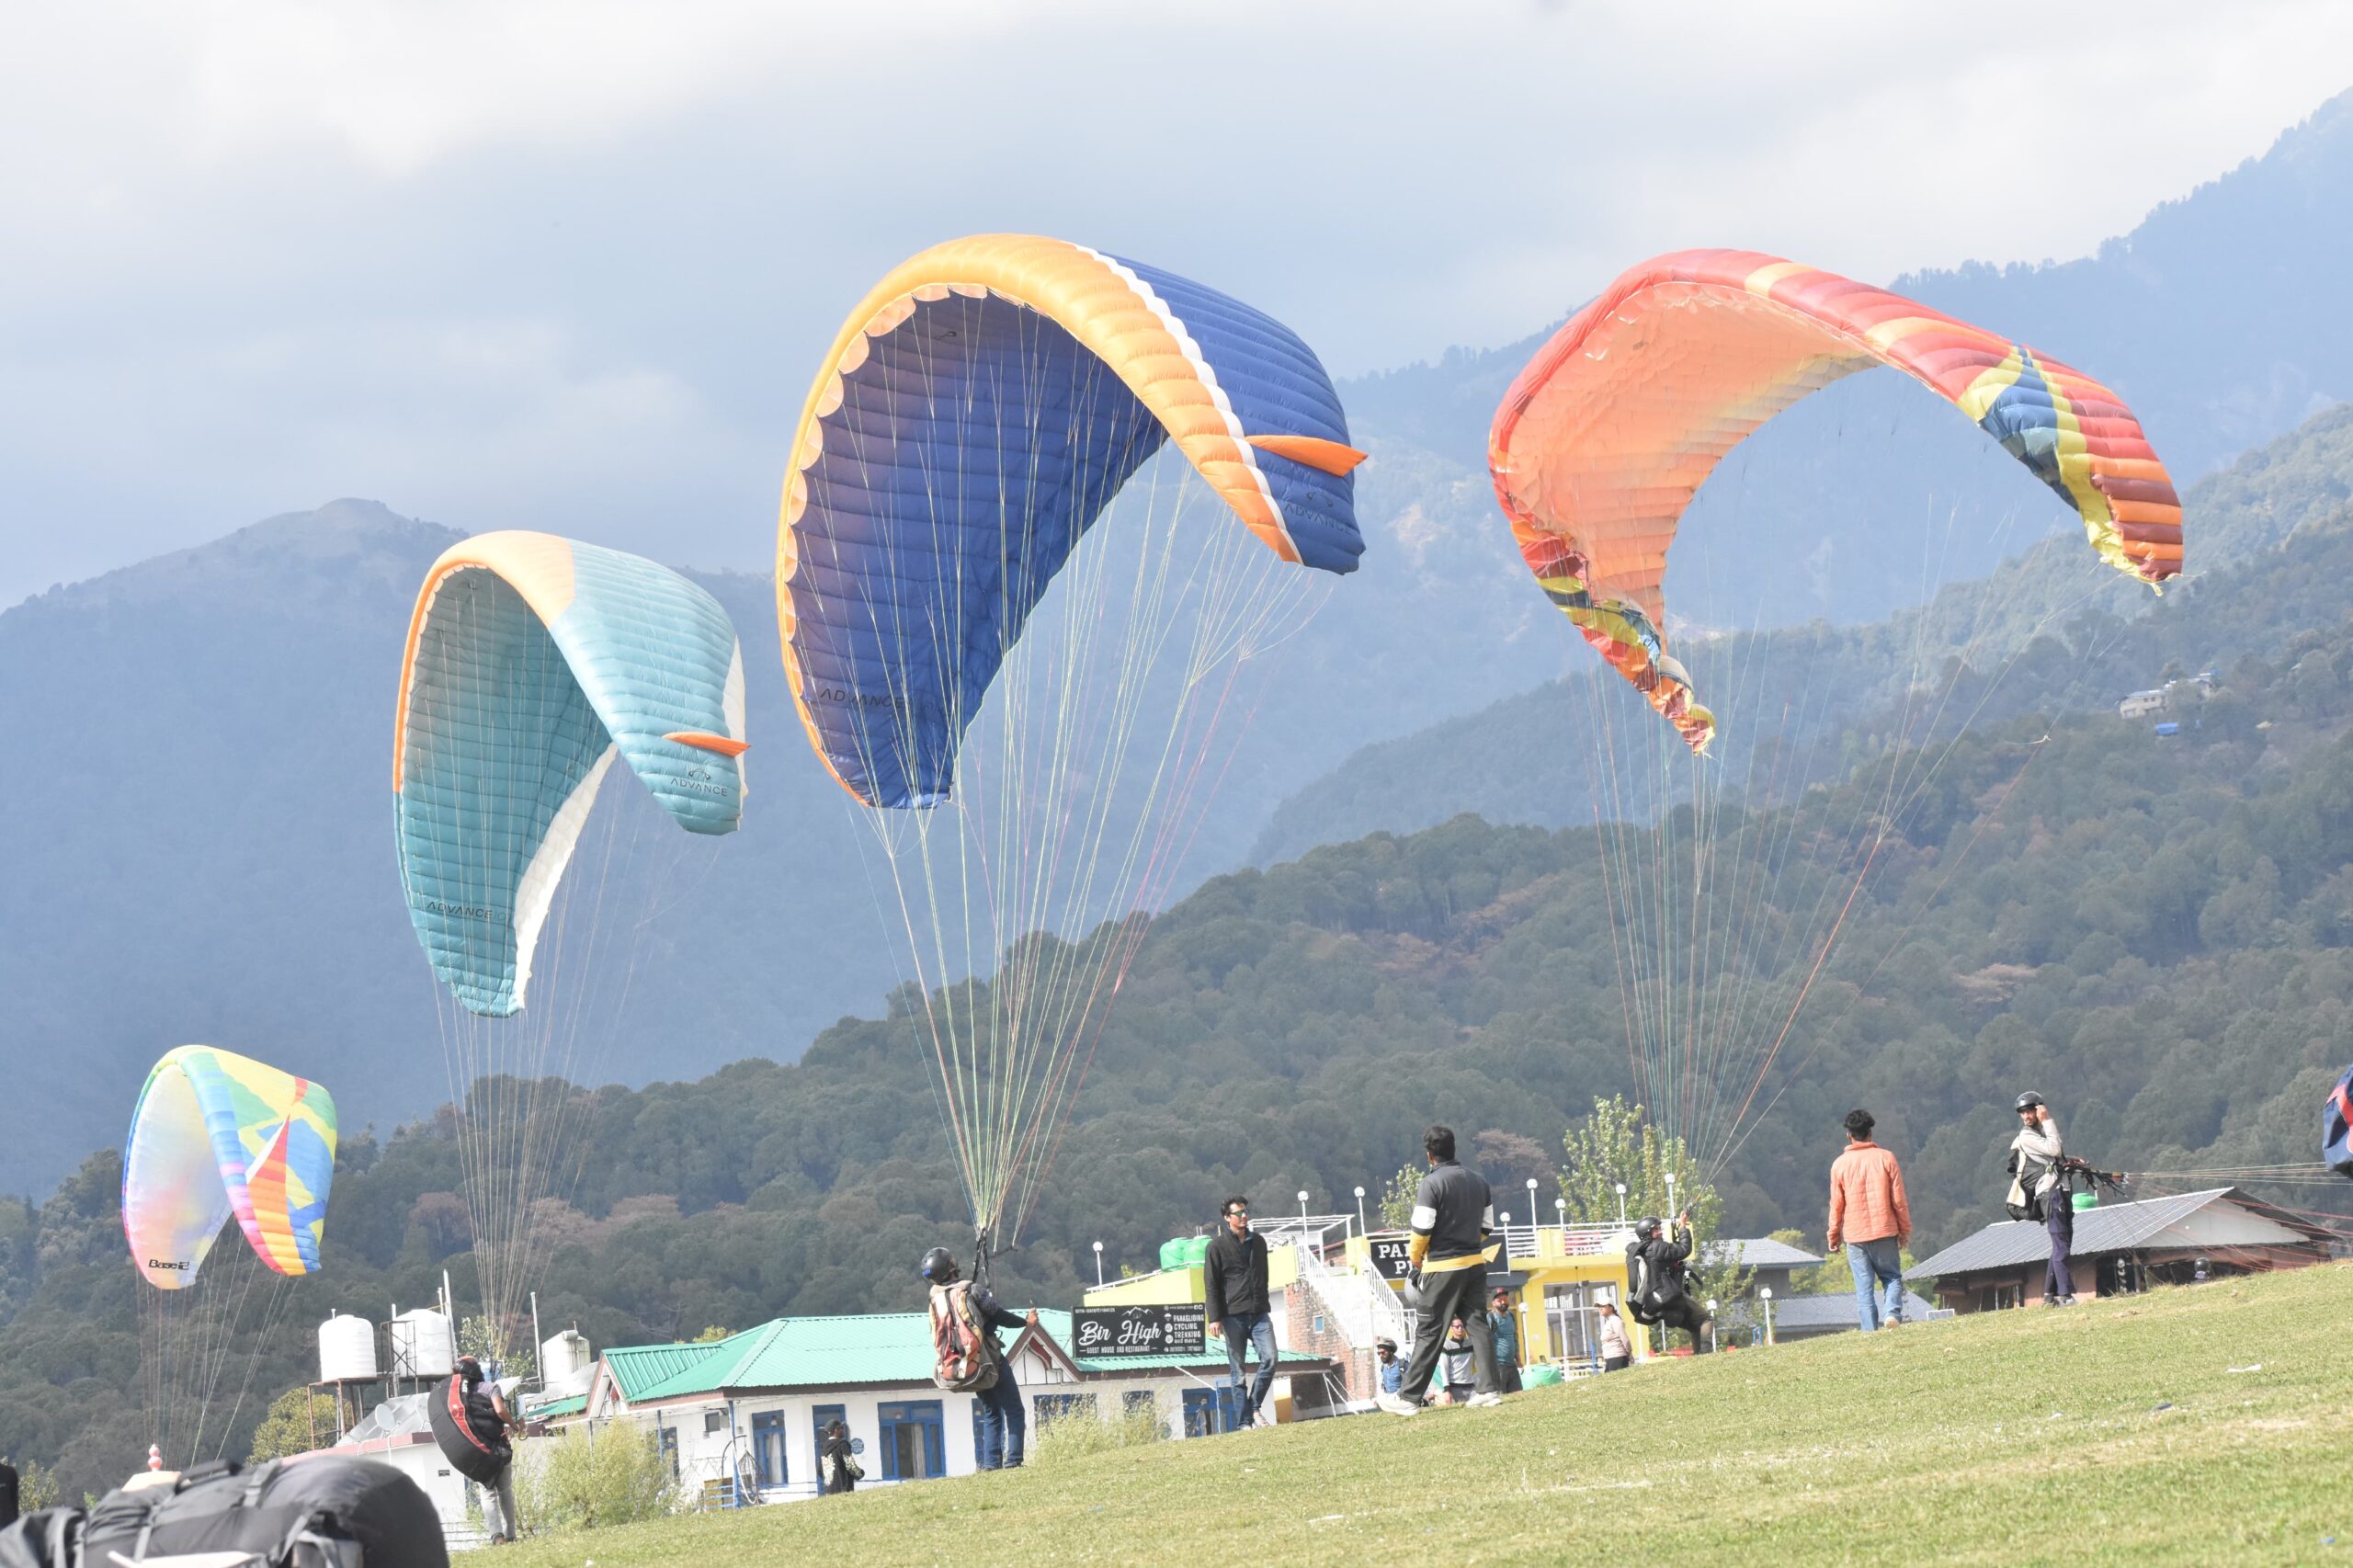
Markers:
{"x": 976, "y": 413}
{"x": 216, "y": 1134}
{"x": 532, "y": 661}
{"x": 1609, "y": 431}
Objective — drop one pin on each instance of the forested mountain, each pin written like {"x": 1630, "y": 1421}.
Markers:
{"x": 2154, "y": 932}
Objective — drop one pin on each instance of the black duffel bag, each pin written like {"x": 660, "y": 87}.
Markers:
{"x": 327, "y": 1511}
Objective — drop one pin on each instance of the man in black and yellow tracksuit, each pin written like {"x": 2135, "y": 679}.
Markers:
{"x": 1453, "y": 1215}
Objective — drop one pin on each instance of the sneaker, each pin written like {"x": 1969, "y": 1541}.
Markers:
{"x": 1395, "y": 1405}
{"x": 2069, "y": 1301}
{"x": 1485, "y": 1401}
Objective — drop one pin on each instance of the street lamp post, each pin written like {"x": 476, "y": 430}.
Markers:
{"x": 1561, "y": 1218}
{"x": 1711, "y": 1322}
{"x": 1532, "y": 1210}
{"x": 1671, "y": 1209}
{"x": 1363, "y": 1228}
{"x": 1099, "y": 1264}
{"x": 1302, "y": 1217}
{"x": 1621, "y": 1202}
{"x": 1765, "y": 1295}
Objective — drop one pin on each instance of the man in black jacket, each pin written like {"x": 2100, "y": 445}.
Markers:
{"x": 8, "y": 1491}
{"x": 1234, "y": 1284}
{"x": 1454, "y": 1214}
{"x": 1662, "y": 1262}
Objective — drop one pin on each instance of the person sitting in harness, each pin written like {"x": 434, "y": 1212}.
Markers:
{"x": 965, "y": 1317}
{"x": 1658, "y": 1271}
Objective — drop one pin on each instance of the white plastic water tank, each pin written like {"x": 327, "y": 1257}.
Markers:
{"x": 565, "y": 1355}
{"x": 422, "y": 1344}
{"x": 346, "y": 1350}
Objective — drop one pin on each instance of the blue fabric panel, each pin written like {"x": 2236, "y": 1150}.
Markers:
{"x": 652, "y": 653}
{"x": 971, "y": 451}
{"x": 1278, "y": 387}
{"x": 2024, "y": 418}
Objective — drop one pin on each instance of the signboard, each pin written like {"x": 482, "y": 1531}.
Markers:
{"x": 1392, "y": 1260}
{"x": 1174, "y": 1330}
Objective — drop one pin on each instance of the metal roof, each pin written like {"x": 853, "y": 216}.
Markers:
{"x": 2226, "y": 1217}
{"x": 637, "y": 1370}
{"x": 829, "y": 1352}
{"x": 1758, "y": 1252}
{"x": 1831, "y": 1309}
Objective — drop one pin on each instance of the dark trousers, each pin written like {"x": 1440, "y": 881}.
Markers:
{"x": 2059, "y": 1219}
{"x": 1445, "y": 1296}
{"x": 1003, "y": 1428}
{"x": 1616, "y": 1363}
{"x": 1686, "y": 1314}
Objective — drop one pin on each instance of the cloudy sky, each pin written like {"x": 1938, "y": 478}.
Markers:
{"x": 567, "y": 264}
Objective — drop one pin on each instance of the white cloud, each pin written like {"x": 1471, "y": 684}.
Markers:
{"x": 571, "y": 258}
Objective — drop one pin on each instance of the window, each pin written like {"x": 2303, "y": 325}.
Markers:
{"x": 666, "y": 1438}
{"x": 1053, "y": 1407}
{"x": 913, "y": 1443}
{"x": 714, "y": 1422}
{"x": 1139, "y": 1402}
{"x": 767, "y": 1448}
{"x": 1211, "y": 1411}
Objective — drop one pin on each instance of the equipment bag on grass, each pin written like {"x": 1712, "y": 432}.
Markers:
{"x": 963, "y": 1361}
{"x": 317, "y": 1511}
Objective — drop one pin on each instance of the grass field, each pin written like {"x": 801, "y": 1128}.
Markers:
{"x": 2194, "y": 1425}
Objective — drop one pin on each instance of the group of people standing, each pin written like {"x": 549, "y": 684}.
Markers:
{"x": 1871, "y": 1218}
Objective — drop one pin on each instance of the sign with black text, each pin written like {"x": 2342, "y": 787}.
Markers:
{"x": 1175, "y": 1330}
{"x": 1393, "y": 1256}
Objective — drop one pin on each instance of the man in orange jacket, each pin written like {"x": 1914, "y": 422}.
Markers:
{"x": 1870, "y": 1218}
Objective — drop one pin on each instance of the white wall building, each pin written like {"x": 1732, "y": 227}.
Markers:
{"x": 743, "y": 1416}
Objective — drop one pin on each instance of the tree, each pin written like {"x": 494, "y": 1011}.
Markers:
{"x": 588, "y": 1479}
{"x": 299, "y": 1420}
{"x": 1397, "y": 1197}
{"x": 1618, "y": 1144}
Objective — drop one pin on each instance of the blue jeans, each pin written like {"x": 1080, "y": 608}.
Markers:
{"x": 1876, "y": 1263}
{"x": 1258, "y": 1330}
{"x": 1004, "y": 1428}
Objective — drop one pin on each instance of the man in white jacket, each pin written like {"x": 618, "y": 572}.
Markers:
{"x": 2039, "y": 1181}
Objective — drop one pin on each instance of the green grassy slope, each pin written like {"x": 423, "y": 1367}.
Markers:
{"x": 2114, "y": 1432}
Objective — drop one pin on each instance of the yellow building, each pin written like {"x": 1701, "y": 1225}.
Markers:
{"x": 1344, "y": 1295}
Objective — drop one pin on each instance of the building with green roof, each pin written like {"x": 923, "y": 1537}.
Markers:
{"x": 741, "y": 1416}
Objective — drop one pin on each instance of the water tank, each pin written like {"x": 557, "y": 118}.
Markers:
{"x": 566, "y": 1355}
{"x": 346, "y": 1350}
{"x": 422, "y": 1344}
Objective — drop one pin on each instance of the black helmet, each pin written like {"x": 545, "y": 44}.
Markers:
{"x": 2030, "y": 1100}
{"x": 1649, "y": 1227}
{"x": 939, "y": 1266}
{"x": 468, "y": 1369}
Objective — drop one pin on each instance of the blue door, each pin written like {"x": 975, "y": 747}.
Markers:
{"x": 1200, "y": 1413}
{"x": 914, "y": 1440}
{"x": 825, "y": 1416}
{"x": 767, "y": 1448}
